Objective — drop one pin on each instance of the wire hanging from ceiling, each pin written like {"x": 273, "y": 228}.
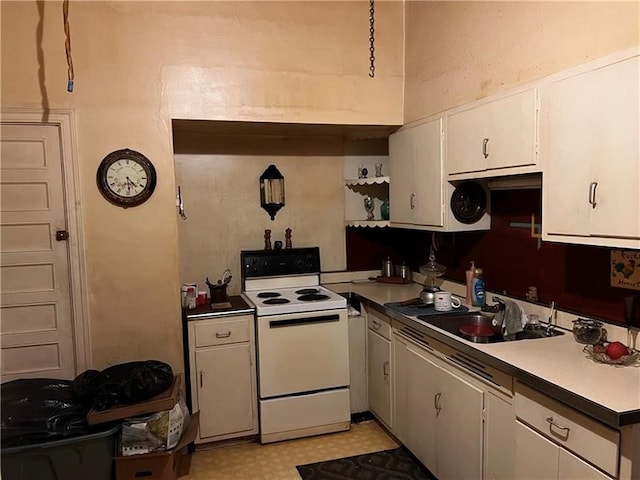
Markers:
{"x": 67, "y": 45}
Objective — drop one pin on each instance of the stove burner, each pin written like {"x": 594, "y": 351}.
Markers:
{"x": 313, "y": 297}
{"x": 268, "y": 294}
{"x": 307, "y": 291}
{"x": 276, "y": 301}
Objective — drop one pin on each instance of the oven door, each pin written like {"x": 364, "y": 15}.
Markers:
{"x": 303, "y": 352}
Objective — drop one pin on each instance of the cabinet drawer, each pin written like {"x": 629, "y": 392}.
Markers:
{"x": 574, "y": 431}
{"x": 379, "y": 324}
{"x": 222, "y": 332}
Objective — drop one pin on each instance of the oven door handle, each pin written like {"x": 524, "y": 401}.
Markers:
{"x": 304, "y": 321}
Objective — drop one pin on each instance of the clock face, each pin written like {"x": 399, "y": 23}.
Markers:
{"x": 126, "y": 178}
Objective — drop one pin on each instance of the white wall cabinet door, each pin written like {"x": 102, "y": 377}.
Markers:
{"x": 493, "y": 136}
{"x": 379, "y": 374}
{"x": 225, "y": 389}
{"x": 416, "y": 192}
{"x": 591, "y": 156}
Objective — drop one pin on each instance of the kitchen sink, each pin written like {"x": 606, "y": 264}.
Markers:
{"x": 480, "y": 330}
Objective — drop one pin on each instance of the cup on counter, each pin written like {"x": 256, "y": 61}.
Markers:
{"x": 446, "y": 302}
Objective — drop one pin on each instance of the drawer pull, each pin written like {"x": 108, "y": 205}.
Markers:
{"x": 385, "y": 370}
{"x": 376, "y": 325}
{"x": 226, "y": 334}
{"x": 552, "y": 423}
{"x": 436, "y": 403}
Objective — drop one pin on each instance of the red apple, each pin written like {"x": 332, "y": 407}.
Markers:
{"x": 616, "y": 350}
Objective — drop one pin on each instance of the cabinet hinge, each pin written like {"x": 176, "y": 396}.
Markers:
{"x": 483, "y": 414}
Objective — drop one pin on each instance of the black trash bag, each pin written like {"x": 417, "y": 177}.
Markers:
{"x": 39, "y": 410}
{"x": 124, "y": 383}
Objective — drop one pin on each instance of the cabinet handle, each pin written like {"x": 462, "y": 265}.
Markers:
{"x": 385, "y": 370}
{"x": 226, "y": 334}
{"x": 592, "y": 194}
{"x": 376, "y": 325}
{"x": 201, "y": 378}
{"x": 552, "y": 423}
{"x": 436, "y": 402}
{"x": 484, "y": 148}
{"x": 412, "y": 201}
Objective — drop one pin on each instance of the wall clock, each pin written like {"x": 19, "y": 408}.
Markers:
{"x": 126, "y": 178}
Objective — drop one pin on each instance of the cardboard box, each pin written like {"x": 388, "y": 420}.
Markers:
{"x": 158, "y": 465}
{"x": 163, "y": 401}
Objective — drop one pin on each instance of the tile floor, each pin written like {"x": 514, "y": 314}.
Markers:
{"x": 277, "y": 461}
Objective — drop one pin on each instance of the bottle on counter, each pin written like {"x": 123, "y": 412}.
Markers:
{"x": 477, "y": 288}
{"x": 469, "y": 279}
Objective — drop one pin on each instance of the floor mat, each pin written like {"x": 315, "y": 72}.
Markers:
{"x": 396, "y": 464}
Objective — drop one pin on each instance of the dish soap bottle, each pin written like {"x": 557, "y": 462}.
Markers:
{"x": 469, "y": 278}
{"x": 477, "y": 288}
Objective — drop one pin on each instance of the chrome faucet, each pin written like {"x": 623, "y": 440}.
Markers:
{"x": 552, "y": 322}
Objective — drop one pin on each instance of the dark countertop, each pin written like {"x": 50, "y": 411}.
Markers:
{"x": 238, "y": 306}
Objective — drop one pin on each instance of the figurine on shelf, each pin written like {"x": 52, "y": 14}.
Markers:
{"x": 267, "y": 239}
{"x": 369, "y": 206}
{"x": 287, "y": 238}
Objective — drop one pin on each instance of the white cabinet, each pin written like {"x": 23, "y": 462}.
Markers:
{"x": 416, "y": 192}
{"x": 379, "y": 366}
{"x": 495, "y": 137}
{"x": 223, "y": 378}
{"x": 548, "y": 429}
{"x": 590, "y": 151}
{"x": 539, "y": 458}
{"x": 442, "y": 413}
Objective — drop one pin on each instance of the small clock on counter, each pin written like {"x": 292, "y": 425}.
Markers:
{"x": 126, "y": 178}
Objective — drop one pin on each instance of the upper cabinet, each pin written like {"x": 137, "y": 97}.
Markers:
{"x": 590, "y": 155}
{"x": 496, "y": 137}
{"x": 416, "y": 169}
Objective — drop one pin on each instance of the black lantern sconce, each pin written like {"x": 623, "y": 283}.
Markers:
{"x": 272, "y": 191}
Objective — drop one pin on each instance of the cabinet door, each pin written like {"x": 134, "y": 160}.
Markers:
{"x": 499, "y": 438}
{"x": 402, "y": 151}
{"x": 511, "y": 130}
{"x": 571, "y": 467}
{"x": 379, "y": 373}
{"x": 423, "y": 427}
{"x": 225, "y": 393}
{"x": 400, "y": 388}
{"x": 459, "y": 428}
{"x": 536, "y": 457}
{"x": 465, "y": 136}
{"x": 590, "y": 141}
{"x": 427, "y": 175}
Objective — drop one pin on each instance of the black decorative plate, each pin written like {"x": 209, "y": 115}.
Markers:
{"x": 468, "y": 202}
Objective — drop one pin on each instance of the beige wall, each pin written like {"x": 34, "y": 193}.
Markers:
{"x": 139, "y": 64}
{"x": 457, "y": 52}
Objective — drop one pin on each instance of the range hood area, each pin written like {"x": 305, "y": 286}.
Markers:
{"x": 528, "y": 181}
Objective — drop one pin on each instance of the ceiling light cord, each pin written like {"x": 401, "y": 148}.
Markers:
{"x": 67, "y": 45}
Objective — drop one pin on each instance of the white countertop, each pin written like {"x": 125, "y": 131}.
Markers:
{"x": 558, "y": 361}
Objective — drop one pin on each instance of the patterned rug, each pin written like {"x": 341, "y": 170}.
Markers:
{"x": 397, "y": 464}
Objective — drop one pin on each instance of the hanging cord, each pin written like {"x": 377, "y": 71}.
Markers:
{"x": 372, "y": 47}
{"x": 67, "y": 45}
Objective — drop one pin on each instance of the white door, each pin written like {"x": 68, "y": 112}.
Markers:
{"x": 225, "y": 389}
{"x": 427, "y": 175}
{"x": 303, "y": 352}
{"x": 379, "y": 371}
{"x": 465, "y": 137}
{"x": 37, "y": 323}
{"x": 401, "y": 158}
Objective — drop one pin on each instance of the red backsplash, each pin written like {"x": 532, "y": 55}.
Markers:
{"x": 576, "y": 277}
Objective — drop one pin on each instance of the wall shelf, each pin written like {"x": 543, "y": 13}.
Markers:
{"x": 368, "y": 223}
{"x": 366, "y": 181}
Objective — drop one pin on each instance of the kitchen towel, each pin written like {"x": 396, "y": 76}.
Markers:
{"x": 421, "y": 309}
{"x": 511, "y": 319}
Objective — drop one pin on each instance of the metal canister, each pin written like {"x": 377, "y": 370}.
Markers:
{"x": 403, "y": 271}
{"x": 387, "y": 267}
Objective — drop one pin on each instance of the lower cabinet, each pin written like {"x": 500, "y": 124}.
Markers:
{"x": 549, "y": 430}
{"x": 379, "y": 366}
{"x": 539, "y": 458}
{"x": 223, "y": 378}
{"x": 442, "y": 416}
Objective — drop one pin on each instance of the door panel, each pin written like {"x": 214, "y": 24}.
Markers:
{"x": 536, "y": 457}
{"x": 37, "y": 334}
{"x": 379, "y": 371}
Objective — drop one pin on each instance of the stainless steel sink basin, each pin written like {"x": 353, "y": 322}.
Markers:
{"x": 486, "y": 332}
